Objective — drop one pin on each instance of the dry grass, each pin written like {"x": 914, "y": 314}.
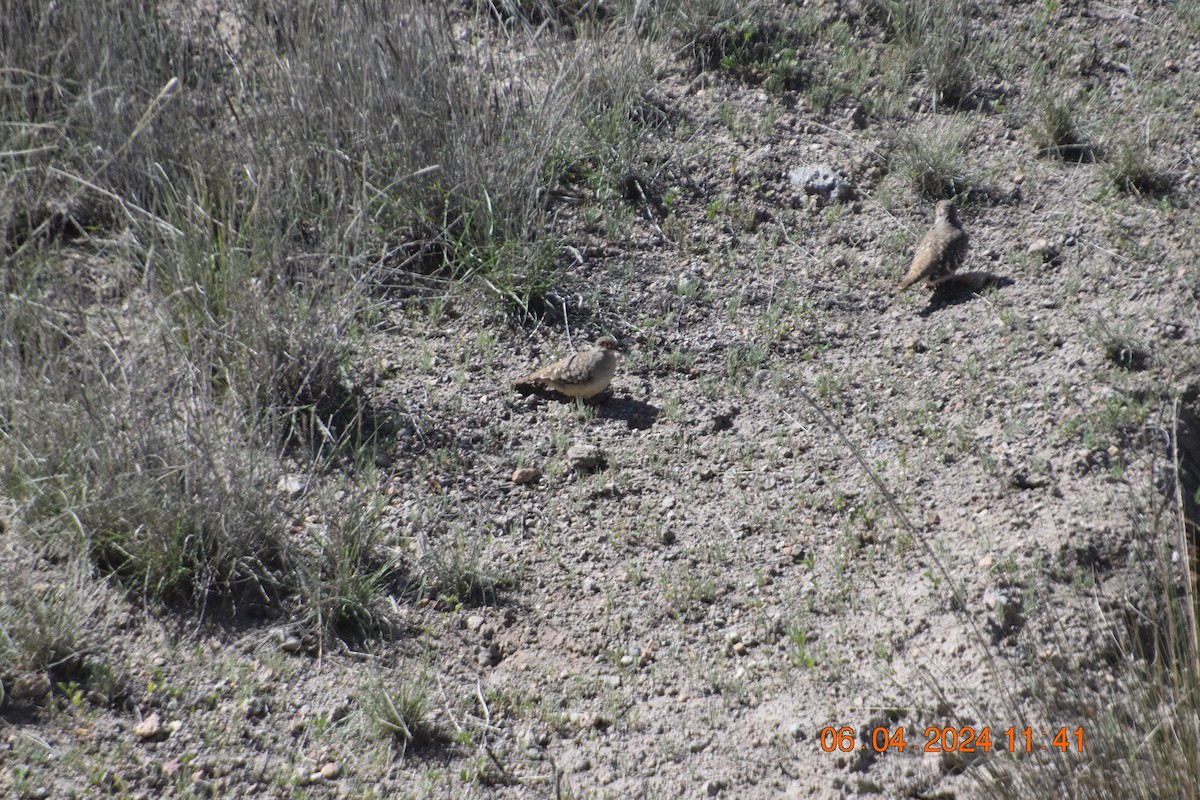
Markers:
{"x": 1141, "y": 732}
{"x": 934, "y": 161}
{"x": 202, "y": 219}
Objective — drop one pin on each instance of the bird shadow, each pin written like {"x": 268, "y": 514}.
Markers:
{"x": 636, "y": 414}
{"x": 956, "y": 292}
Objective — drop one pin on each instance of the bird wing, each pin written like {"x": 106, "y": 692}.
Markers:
{"x": 932, "y": 254}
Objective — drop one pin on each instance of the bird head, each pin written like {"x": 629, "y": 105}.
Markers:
{"x": 945, "y": 210}
{"x": 608, "y": 343}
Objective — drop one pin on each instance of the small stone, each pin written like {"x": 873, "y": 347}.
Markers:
{"x": 331, "y": 771}
{"x": 149, "y": 728}
{"x": 475, "y": 622}
{"x": 291, "y": 644}
{"x": 31, "y": 687}
{"x": 993, "y": 598}
{"x": 857, "y": 116}
{"x": 823, "y": 181}
{"x": 291, "y": 486}
{"x": 255, "y": 707}
{"x": 914, "y": 345}
{"x": 489, "y": 656}
{"x": 171, "y": 768}
{"x": 1043, "y": 249}
{"x": 584, "y": 456}
{"x": 524, "y": 475}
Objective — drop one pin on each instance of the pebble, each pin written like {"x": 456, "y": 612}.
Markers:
{"x": 1043, "y": 249}
{"x": 291, "y": 486}
{"x": 489, "y": 656}
{"x": 823, "y": 181}
{"x": 255, "y": 707}
{"x": 584, "y": 456}
{"x": 524, "y": 475}
{"x": 331, "y": 771}
{"x": 149, "y": 728}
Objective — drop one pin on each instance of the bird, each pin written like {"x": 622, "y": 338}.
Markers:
{"x": 584, "y": 375}
{"x": 941, "y": 252}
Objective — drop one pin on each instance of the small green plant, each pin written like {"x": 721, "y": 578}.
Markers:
{"x": 686, "y": 592}
{"x": 934, "y": 161}
{"x": 1129, "y": 167}
{"x": 1058, "y": 127}
{"x": 52, "y": 633}
{"x": 1120, "y": 344}
{"x": 798, "y": 638}
{"x": 459, "y": 571}
{"x": 340, "y": 584}
{"x": 397, "y": 703}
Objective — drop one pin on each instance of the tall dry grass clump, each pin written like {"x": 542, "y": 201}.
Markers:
{"x": 1141, "y": 730}
{"x": 198, "y": 218}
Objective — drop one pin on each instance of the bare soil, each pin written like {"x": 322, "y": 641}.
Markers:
{"x": 687, "y": 618}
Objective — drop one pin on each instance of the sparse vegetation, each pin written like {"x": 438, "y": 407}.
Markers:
{"x": 398, "y": 702}
{"x": 936, "y": 38}
{"x": 269, "y": 270}
{"x": 934, "y": 161}
{"x": 1058, "y": 126}
{"x": 460, "y": 572}
{"x": 52, "y": 634}
{"x": 1130, "y": 167}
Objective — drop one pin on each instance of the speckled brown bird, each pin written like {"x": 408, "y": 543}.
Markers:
{"x": 941, "y": 252}
{"x": 583, "y": 375}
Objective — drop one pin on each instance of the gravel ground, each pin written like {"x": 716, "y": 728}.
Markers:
{"x": 685, "y": 618}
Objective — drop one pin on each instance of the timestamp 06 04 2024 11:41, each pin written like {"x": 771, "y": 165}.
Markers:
{"x": 938, "y": 739}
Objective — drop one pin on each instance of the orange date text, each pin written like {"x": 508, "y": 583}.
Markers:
{"x": 949, "y": 739}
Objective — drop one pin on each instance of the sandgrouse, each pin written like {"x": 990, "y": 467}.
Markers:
{"x": 941, "y": 252}
{"x": 583, "y": 375}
